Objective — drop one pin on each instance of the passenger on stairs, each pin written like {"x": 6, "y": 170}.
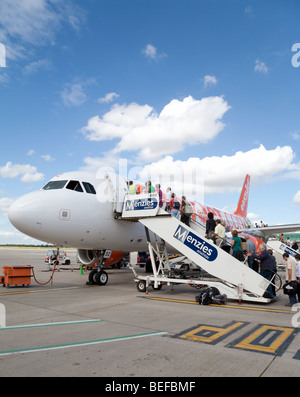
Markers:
{"x": 184, "y": 218}
{"x": 210, "y": 225}
{"x": 219, "y": 233}
{"x": 168, "y": 197}
{"x": 267, "y": 266}
{"x": 252, "y": 250}
{"x": 227, "y": 242}
{"x": 236, "y": 246}
{"x": 150, "y": 187}
{"x": 174, "y": 206}
{"x": 160, "y": 195}
{"x": 132, "y": 189}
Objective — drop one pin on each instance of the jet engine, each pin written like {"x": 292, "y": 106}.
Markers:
{"x": 88, "y": 257}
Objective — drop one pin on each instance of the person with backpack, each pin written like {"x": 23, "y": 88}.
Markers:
{"x": 210, "y": 225}
{"x": 186, "y": 211}
{"x": 174, "y": 206}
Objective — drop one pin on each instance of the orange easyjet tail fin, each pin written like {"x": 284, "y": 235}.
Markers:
{"x": 243, "y": 201}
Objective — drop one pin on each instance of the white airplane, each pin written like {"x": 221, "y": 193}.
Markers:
{"x": 78, "y": 209}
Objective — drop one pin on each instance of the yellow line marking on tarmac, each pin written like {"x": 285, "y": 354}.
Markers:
{"x": 216, "y": 332}
{"x": 228, "y": 306}
{"x": 273, "y": 346}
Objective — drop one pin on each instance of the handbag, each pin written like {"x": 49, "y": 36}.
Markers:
{"x": 290, "y": 288}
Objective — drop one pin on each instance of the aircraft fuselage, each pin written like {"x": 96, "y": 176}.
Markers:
{"x": 68, "y": 212}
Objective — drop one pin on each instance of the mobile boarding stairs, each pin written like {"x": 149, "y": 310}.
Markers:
{"x": 232, "y": 277}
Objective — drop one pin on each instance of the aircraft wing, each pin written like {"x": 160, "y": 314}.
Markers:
{"x": 275, "y": 229}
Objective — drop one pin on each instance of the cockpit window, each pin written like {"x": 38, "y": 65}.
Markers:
{"x": 89, "y": 188}
{"x": 54, "y": 185}
{"x": 74, "y": 185}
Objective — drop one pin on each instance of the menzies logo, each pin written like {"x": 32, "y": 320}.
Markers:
{"x": 287, "y": 249}
{"x": 141, "y": 204}
{"x": 196, "y": 243}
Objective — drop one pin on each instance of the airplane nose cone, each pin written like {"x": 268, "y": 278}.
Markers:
{"x": 26, "y": 214}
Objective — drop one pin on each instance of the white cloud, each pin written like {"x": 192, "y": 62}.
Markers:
{"x": 296, "y": 198}
{"x": 261, "y": 67}
{"x": 150, "y": 52}
{"x": 140, "y": 129}
{"x": 210, "y": 80}
{"x": 295, "y": 135}
{"x": 73, "y": 95}
{"x": 108, "y": 97}
{"x": 5, "y": 203}
{"x": 34, "y": 67}
{"x": 35, "y": 22}
{"x": 27, "y": 172}
{"x": 30, "y": 21}
{"x": 5, "y": 234}
{"x": 47, "y": 157}
{"x": 108, "y": 162}
{"x": 220, "y": 174}
{"x": 253, "y": 216}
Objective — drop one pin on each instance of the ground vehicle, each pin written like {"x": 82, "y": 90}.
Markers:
{"x": 62, "y": 259}
{"x": 142, "y": 258}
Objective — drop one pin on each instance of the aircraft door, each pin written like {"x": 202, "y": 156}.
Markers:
{"x": 120, "y": 189}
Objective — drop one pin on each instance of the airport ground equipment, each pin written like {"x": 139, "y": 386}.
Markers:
{"x": 279, "y": 249}
{"x": 16, "y": 275}
{"x": 56, "y": 257}
{"x": 231, "y": 277}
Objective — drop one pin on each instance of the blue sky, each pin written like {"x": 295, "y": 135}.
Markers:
{"x": 167, "y": 85}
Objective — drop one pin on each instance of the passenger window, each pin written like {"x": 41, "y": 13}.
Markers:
{"x": 74, "y": 185}
{"x": 89, "y": 188}
{"x": 54, "y": 185}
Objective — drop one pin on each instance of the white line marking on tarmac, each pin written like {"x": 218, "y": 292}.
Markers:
{"x": 79, "y": 344}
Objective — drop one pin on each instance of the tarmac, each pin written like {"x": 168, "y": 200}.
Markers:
{"x": 69, "y": 329}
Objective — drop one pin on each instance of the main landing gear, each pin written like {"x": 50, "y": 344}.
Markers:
{"x": 97, "y": 276}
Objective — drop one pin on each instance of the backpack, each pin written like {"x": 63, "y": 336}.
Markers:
{"x": 176, "y": 204}
{"x": 206, "y": 295}
{"x": 188, "y": 209}
{"x": 219, "y": 299}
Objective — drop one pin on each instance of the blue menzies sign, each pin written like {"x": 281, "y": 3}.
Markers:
{"x": 197, "y": 244}
{"x": 148, "y": 203}
{"x": 288, "y": 250}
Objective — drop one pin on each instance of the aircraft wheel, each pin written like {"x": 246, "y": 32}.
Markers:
{"x": 141, "y": 286}
{"x": 101, "y": 278}
{"x": 92, "y": 275}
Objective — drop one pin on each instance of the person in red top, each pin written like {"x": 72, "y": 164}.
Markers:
{"x": 174, "y": 206}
